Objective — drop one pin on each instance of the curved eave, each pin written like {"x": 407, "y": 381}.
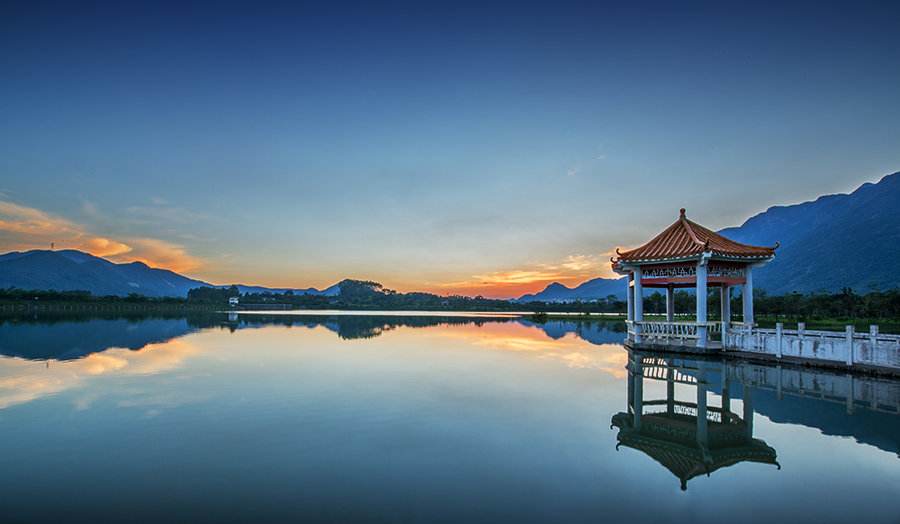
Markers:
{"x": 690, "y": 258}
{"x": 685, "y": 240}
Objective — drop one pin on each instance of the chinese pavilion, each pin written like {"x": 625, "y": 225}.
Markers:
{"x": 688, "y": 255}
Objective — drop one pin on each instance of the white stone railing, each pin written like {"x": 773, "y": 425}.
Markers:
{"x": 681, "y": 330}
{"x": 847, "y": 347}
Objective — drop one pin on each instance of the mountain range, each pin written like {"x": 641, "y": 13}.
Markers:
{"x": 72, "y": 270}
{"x": 590, "y": 290}
{"x": 836, "y": 241}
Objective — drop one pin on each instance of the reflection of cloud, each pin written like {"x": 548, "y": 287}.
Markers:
{"x": 25, "y": 380}
{"x": 155, "y": 403}
{"x": 27, "y": 387}
{"x": 569, "y": 349}
{"x": 23, "y": 227}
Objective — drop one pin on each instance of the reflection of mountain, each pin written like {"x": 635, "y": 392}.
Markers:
{"x": 66, "y": 339}
{"x": 596, "y": 332}
{"x": 369, "y": 326}
{"x": 359, "y": 326}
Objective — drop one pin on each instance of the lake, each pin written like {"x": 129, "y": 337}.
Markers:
{"x": 438, "y": 418}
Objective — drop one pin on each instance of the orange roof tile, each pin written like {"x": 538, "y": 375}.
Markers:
{"x": 686, "y": 239}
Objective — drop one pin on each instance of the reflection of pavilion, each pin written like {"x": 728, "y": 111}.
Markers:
{"x": 687, "y": 438}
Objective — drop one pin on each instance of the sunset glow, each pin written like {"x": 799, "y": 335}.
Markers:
{"x": 425, "y": 153}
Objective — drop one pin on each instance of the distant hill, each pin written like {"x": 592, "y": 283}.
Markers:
{"x": 590, "y": 290}
{"x": 70, "y": 340}
{"x": 836, "y": 241}
{"x": 330, "y": 291}
{"x": 71, "y": 270}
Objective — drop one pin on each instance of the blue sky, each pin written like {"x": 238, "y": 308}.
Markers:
{"x": 454, "y": 148}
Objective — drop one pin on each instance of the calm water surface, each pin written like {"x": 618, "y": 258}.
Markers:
{"x": 423, "y": 419}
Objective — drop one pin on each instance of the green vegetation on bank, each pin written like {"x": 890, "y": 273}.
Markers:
{"x": 816, "y": 309}
{"x": 24, "y": 299}
{"x": 845, "y": 304}
{"x": 367, "y": 295}
{"x": 33, "y": 295}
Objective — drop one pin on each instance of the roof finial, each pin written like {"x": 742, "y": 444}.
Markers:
{"x": 682, "y": 212}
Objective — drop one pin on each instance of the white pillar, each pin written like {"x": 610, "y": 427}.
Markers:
{"x": 748, "y": 296}
{"x": 638, "y": 304}
{"x": 849, "y": 337}
{"x": 629, "y": 297}
{"x": 701, "y": 304}
{"x": 670, "y": 304}
{"x": 725, "y": 294}
{"x": 779, "y": 338}
{"x": 638, "y": 296}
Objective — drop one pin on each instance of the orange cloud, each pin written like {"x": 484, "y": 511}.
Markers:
{"x": 159, "y": 253}
{"x": 571, "y": 271}
{"x": 23, "y": 228}
{"x": 104, "y": 247}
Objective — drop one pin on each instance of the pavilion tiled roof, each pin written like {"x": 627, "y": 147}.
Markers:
{"x": 687, "y": 239}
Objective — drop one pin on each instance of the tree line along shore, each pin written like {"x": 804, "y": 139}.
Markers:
{"x": 877, "y": 306}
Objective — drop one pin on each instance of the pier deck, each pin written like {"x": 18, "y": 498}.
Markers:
{"x": 871, "y": 351}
